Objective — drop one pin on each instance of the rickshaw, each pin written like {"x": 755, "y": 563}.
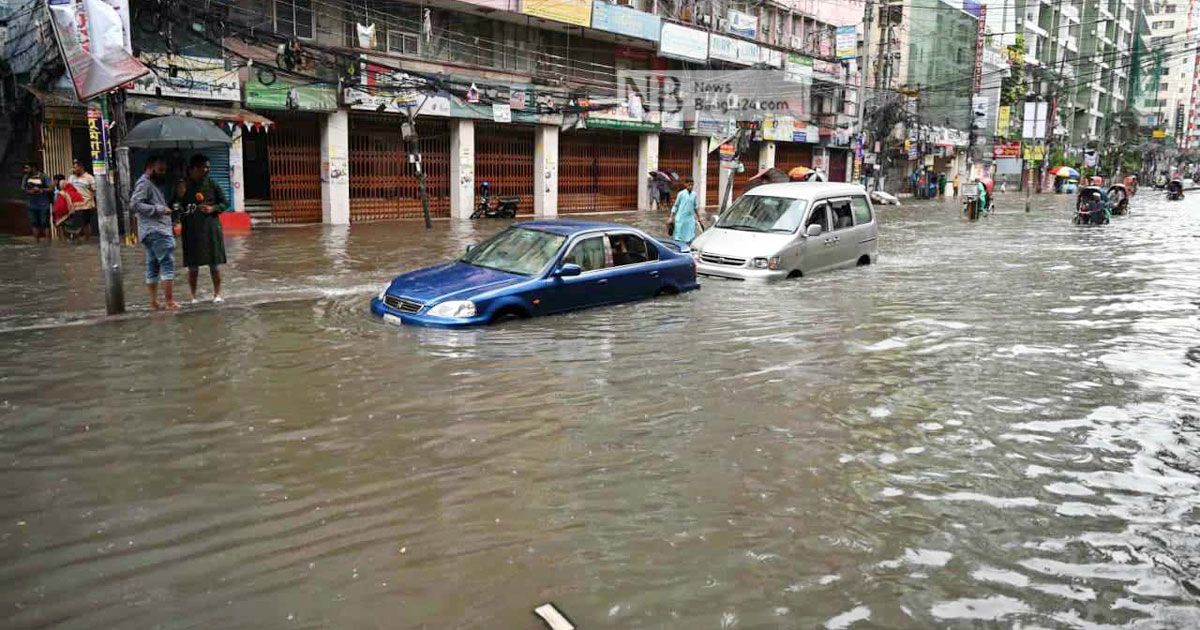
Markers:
{"x": 1091, "y": 207}
{"x": 1175, "y": 190}
{"x": 1118, "y": 198}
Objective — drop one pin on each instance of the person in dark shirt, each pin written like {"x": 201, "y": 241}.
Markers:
{"x": 201, "y": 202}
{"x": 37, "y": 188}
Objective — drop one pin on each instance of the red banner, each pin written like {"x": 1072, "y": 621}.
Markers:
{"x": 1003, "y": 150}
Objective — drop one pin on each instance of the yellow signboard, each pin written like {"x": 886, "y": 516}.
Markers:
{"x": 577, "y": 12}
{"x": 1159, "y": 134}
{"x": 1003, "y": 120}
{"x": 1035, "y": 153}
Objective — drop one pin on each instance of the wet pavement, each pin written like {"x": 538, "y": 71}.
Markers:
{"x": 996, "y": 424}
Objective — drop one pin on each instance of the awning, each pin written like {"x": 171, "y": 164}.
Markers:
{"x": 150, "y": 106}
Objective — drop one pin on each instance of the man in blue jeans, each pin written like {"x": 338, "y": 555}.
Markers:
{"x": 37, "y": 188}
{"x": 156, "y": 232}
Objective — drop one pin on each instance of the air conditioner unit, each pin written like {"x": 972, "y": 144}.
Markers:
{"x": 625, "y": 3}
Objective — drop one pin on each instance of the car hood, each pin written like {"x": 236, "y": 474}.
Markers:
{"x": 453, "y": 280}
{"x": 740, "y": 243}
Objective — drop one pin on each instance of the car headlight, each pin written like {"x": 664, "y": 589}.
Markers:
{"x": 455, "y": 309}
{"x": 759, "y": 263}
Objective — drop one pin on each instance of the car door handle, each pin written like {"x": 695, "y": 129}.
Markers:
{"x": 602, "y": 281}
{"x": 654, "y": 274}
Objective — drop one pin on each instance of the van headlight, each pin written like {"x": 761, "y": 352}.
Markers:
{"x": 455, "y": 309}
{"x": 759, "y": 263}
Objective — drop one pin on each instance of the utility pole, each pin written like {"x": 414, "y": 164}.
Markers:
{"x": 868, "y": 18}
{"x": 106, "y": 210}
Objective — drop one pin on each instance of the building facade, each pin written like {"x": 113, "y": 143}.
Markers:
{"x": 518, "y": 94}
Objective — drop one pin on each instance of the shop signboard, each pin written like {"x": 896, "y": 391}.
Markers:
{"x": 681, "y": 42}
{"x": 97, "y": 141}
{"x": 96, "y": 61}
{"x": 283, "y": 94}
{"x": 827, "y": 71}
{"x": 798, "y": 68}
{"x": 615, "y": 18}
{"x": 743, "y": 24}
{"x": 1002, "y": 150}
{"x": 806, "y": 133}
{"x": 183, "y": 76}
{"x": 383, "y": 89}
{"x": 847, "y": 42}
{"x": 722, "y": 48}
{"x": 577, "y": 12}
{"x": 1034, "y": 152}
{"x": 1003, "y": 120}
{"x": 779, "y": 128}
{"x": 748, "y": 53}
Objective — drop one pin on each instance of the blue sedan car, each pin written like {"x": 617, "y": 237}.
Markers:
{"x": 539, "y": 268}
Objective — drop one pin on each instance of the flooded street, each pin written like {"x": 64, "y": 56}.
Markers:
{"x": 1000, "y": 422}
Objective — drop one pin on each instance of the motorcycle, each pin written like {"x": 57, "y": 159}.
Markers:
{"x": 494, "y": 207}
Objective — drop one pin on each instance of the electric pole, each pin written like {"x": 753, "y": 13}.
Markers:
{"x": 868, "y": 18}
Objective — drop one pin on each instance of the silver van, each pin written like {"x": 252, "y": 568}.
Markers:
{"x": 778, "y": 231}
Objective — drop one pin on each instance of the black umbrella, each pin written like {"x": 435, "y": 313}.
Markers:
{"x": 176, "y": 132}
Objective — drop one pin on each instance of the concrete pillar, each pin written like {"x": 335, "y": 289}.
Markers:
{"x": 700, "y": 171}
{"x": 545, "y": 171}
{"x": 462, "y": 168}
{"x": 723, "y": 181}
{"x": 335, "y": 168}
{"x": 647, "y": 161}
{"x": 237, "y": 170}
{"x": 766, "y": 156}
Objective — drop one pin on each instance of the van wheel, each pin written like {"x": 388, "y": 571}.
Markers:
{"x": 795, "y": 273}
{"x": 509, "y": 313}
{"x": 864, "y": 260}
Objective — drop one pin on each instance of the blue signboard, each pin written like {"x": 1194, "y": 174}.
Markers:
{"x": 972, "y": 7}
{"x": 625, "y": 21}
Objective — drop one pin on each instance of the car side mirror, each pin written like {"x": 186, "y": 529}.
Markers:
{"x": 813, "y": 230}
{"x": 470, "y": 246}
{"x": 569, "y": 270}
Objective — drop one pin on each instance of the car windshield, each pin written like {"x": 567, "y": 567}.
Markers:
{"x": 759, "y": 213}
{"x": 516, "y": 250}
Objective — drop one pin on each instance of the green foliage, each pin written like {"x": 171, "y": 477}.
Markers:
{"x": 1058, "y": 158}
{"x": 1012, "y": 88}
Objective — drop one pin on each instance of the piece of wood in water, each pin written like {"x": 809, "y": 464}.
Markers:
{"x": 554, "y": 619}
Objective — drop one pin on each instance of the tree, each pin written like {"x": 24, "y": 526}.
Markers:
{"x": 1012, "y": 88}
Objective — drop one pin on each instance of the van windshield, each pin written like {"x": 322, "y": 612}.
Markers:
{"x": 758, "y": 213}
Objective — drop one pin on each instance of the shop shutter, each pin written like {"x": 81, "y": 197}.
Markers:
{"x": 383, "y": 184}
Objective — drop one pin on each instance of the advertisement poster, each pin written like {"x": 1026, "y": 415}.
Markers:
{"x": 1002, "y": 150}
{"x": 97, "y": 141}
{"x": 743, "y": 24}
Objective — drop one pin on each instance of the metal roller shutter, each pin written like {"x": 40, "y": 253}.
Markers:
{"x": 504, "y": 159}
{"x": 598, "y": 172}
{"x": 383, "y": 184}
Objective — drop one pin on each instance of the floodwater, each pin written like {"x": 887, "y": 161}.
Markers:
{"x": 997, "y": 424}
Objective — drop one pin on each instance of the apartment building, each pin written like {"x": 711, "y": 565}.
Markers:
{"x": 1171, "y": 69}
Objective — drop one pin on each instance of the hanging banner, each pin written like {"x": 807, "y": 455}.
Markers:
{"x": 1003, "y": 120}
{"x": 1002, "y": 150}
{"x": 743, "y": 24}
{"x": 281, "y": 93}
{"x": 847, "y": 42}
{"x": 577, "y": 12}
{"x": 92, "y": 39}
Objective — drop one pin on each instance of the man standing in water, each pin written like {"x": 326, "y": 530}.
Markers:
{"x": 202, "y": 202}
{"x": 156, "y": 232}
{"x": 85, "y": 184}
{"x": 37, "y": 189}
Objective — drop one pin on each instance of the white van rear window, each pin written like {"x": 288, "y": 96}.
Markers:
{"x": 862, "y": 210}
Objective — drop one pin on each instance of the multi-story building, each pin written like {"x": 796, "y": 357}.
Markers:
{"x": 518, "y": 94}
{"x": 1170, "y": 69}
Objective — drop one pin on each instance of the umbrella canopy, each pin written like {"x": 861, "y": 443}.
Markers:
{"x": 799, "y": 173}
{"x": 770, "y": 176}
{"x": 176, "y": 132}
{"x": 1065, "y": 171}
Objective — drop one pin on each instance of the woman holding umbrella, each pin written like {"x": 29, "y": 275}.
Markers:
{"x": 201, "y": 201}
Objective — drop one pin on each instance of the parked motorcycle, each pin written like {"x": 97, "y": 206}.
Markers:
{"x": 494, "y": 207}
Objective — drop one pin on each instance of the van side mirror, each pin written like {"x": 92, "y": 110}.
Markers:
{"x": 470, "y": 246}
{"x": 813, "y": 230}
{"x": 568, "y": 270}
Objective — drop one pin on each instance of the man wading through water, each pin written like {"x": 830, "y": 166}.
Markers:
{"x": 200, "y": 202}
{"x": 156, "y": 232}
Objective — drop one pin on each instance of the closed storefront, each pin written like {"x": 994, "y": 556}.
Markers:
{"x": 598, "y": 171}
{"x": 293, "y": 162}
{"x": 789, "y": 155}
{"x": 383, "y": 183}
{"x": 504, "y": 159}
{"x": 675, "y": 154}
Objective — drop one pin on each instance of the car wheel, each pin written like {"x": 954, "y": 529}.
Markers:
{"x": 508, "y": 314}
{"x": 666, "y": 289}
{"x": 864, "y": 260}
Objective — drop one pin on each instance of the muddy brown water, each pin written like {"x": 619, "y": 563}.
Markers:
{"x": 997, "y": 424}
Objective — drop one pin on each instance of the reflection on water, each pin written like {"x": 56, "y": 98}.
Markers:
{"x": 996, "y": 424}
